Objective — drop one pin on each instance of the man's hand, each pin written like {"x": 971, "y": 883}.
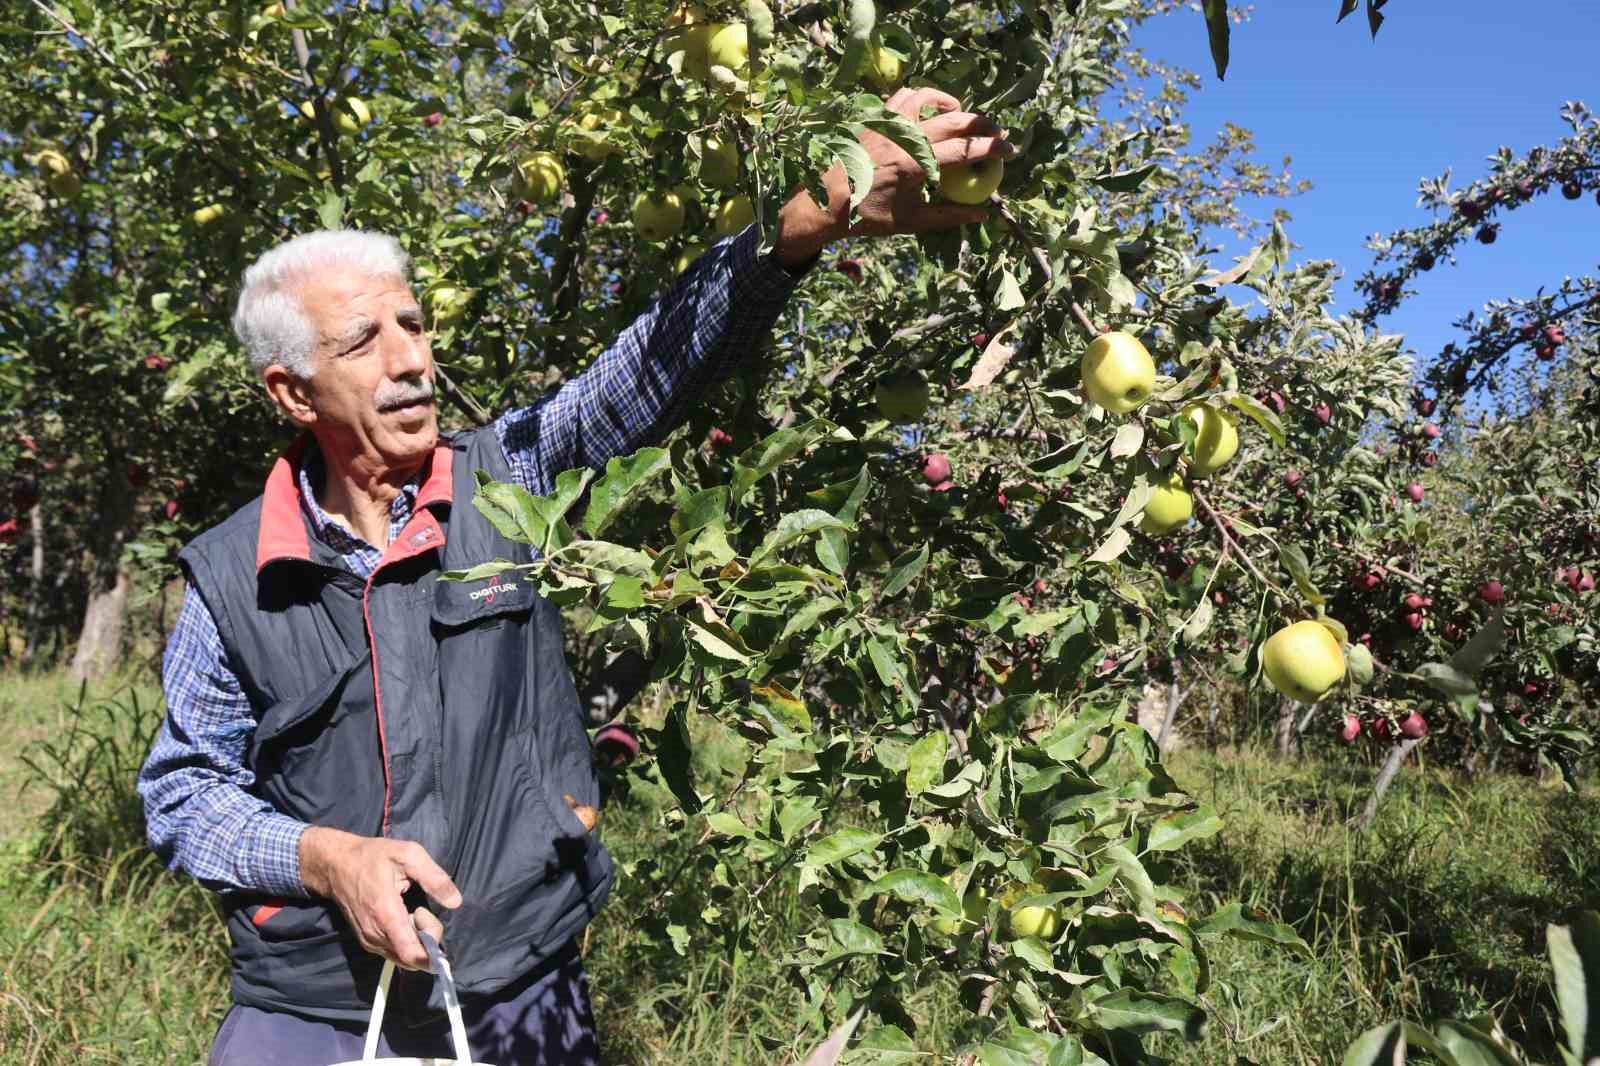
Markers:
{"x": 894, "y": 204}
{"x": 367, "y": 876}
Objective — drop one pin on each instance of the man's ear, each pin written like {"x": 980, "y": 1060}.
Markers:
{"x": 291, "y": 394}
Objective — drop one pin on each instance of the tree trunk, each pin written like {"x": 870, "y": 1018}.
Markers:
{"x": 100, "y": 638}
{"x": 33, "y": 626}
{"x": 1391, "y": 767}
{"x": 1283, "y": 733}
{"x": 1174, "y": 701}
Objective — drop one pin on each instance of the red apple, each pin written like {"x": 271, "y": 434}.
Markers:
{"x": 171, "y": 509}
{"x": 850, "y": 268}
{"x": 1413, "y": 619}
{"x": 1530, "y": 689}
{"x": 1413, "y": 601}
{"x": 1488, "y": 233}
{"x": 1415, "y": 491}
{"x": 1451, "y": 631}
{"x": 980, "y": 341}
{"x": 1000, "y": 499}
{"x": 1545, "y": 352}
{"x": 1351, "y": 729}
{"x": 1039, "y": 587}
{"x": 432, "y": 119}
{"x": 1025, "y": 601}
{"x": 1368, "y": 581}
{"x": 936, "y": 470}
{"x": 1431, "y": 430}
{"x": 1424, "y": 406}
{"x": 1323, "y": 413}
{"x": 1382, "y": 732}
{"x": 1292, "y": 478}
{"x": 156, "y": 361}
{"x": 1555, "y": 335}
{"x": 719, "y": 438}
{"x": 1414, "y": 726}
{"x": 8, "y": 531}
{"x": 1429, "y": 459}
{"x": 1491, "y": 592}
{"x": 616, "y": 745}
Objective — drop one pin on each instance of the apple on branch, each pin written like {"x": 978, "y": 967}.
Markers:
{"x": 1216, "y": 438}
{"x": 1303, "y": 661}
{"x": 902, "y": 396}
{"x": 1170, "y": 507}
{"x": 658, "y": 215}
{"x": 1118, "y": 373}
{"x": 971, "y": 183}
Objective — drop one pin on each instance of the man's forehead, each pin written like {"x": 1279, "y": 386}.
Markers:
{"x": 346, "y": 290}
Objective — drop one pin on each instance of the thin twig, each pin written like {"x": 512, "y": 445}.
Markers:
{"x": 1229, "y": 541}
{"x": 1042, "y": 261}
{"x": 470, "y": 407}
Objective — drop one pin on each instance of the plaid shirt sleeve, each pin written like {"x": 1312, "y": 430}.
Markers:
{"x": 638, "y": 390}
{"x": 200, "y": 816}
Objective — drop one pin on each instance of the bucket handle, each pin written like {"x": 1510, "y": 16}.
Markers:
{"x": 452, "y": 1004}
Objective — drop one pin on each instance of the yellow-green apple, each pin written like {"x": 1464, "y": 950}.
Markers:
{"x": 58, "y": 174}
{"x": 602, "y": 120}
{"x": 974, "y": 905}
{"x": 538, "y": 178}
{"x": 719, "y": 163}
{"x": 448, "y": 304}
{"x": 733, "y": 216}
{"x": 658, "y": 215}
{"x": 204, "y": 216}
{"x": 272, "y": 11}
{"x": 1042, "y": 922}
{"x": 355, "y": 114}
{"x": 730, "y": 47}
{"x": 686, "y": 257}
{"x": 971, "y": 183}
{"x": 1216, "y": 438}
{"x": 882, "y": 71}
{"x": 901, "y": 397}
{"x": 1303, "y": 661}
{"x": 1170, "y": 507}
{"x": 1118, "y": 372}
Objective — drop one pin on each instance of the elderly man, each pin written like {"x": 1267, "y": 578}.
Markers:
{"x": 348, "y": 737}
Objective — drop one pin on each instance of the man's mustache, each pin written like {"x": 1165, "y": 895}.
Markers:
{"x": 401, "y": 393}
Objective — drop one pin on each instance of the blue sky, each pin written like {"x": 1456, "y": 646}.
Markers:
{"x": 1444, "y": 84}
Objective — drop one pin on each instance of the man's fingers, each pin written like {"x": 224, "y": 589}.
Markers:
{"x": 586, "y": 814}
{"x": 959, "y": 124}
{"x": 404, "y": 947}
{"x": 947, "y": 216}
{"x": 425, "y": 921}
{"x": 968, "y": 149}
{"x": 420, "y": 867}
{"x": 910, "y": 102}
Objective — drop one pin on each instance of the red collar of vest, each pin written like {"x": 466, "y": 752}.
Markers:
{"x": 284, "y": 532}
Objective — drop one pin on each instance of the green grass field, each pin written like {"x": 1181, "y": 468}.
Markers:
{"x": 1438, "y": 910}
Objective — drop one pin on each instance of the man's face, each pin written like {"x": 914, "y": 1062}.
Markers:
{"x": 370, "y": 397}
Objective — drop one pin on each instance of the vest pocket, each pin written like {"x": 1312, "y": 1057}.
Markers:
{"x": 317, "y": 756}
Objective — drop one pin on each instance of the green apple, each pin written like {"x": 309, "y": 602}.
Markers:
{"x": 1042, "y": 922}
{"x": 1118, "y": 373}
{"x": 1303, "y": 661}
{"x": 58, "y": 175}
{"x": 1170, "y": 507}
{"x": 686, "y": 257}
{"x": 719, "y": 163}
{"x": 204, "y": 216}
{"x": 272, "y": 11}
{"x": 883, "y": 70}
{"x": 538, "y": 178}
{"x": 902, "y": 397}
{"x": 605, "y": 119}
{"x": 733, "y": 216}
{"x": 658, "y": 215}
{"x": 448, "y": 304}
{"x": 355, "y": 114}
{"x": 971, "y": 183}
{"x": 694, "y": 41}
{"x": 730, "y": 47}
{"x": 974, "y": 906}
{"x": 1216, "y": 438}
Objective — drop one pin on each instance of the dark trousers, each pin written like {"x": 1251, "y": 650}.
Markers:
{"x": 544, "y": 1019}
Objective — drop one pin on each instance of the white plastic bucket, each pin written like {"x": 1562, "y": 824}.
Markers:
{"x": 452, "y": 1006}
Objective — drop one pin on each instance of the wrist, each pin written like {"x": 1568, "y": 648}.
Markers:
{"x": 804, "y": 230}
{"x": 318, "y": 847}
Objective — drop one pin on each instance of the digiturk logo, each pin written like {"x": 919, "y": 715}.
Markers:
{"x": 488, "y": 593}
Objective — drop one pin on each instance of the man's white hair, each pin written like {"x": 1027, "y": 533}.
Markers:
{"x": 270, "y": 321}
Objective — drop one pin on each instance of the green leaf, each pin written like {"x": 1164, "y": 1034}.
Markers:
{"x": 1129, "y": 439}
{"x": 853, "y": 938}
{"x": 1475, "y": 654}
{"x": 624, "y": 476}
{"x": 918, "y": 886}
{"x": 1176, "y": 830}
{"x": 479, "y": 572}
{"x": 790, "y": 528}
{"x": 1249, "y": 925}
{"x": 1198, "y": 622}
{"x": 510, "y": 509}
{"x": 844, "y": 844}
{"x": 887, "y": 1045}
{"x": 1263, "y": 415}
{"x": 906, "y": 567}
{"x": 785, "y": 711}
{"x": 727, "y": 825}
{"x": 1113, "y": 546}
{"x": 925, "y": 763}
{"x": 716, "y": 644}
{"x": 1127, "y": 180}
{"x": 858, "y": 165}
{"x": 1471, "y": 1046}
{"x": 604, "y": 555}
{"x": 833, "y": 551}
{"x": 772, "y": 451}
{"x": 1148, "y": 1012}
{"x": 330, "y": 212}
{"x": 1383, "y": 1046}
{"x": 1299, "y": 568}
{"x": 700, "y": 509}
{"x": 1008, "y": 297}
{"x": 675, "y": 758}
{"x": 1575, "y": 957}
{"x": 909, "y": 136}
{"x": 1217, "y": 29}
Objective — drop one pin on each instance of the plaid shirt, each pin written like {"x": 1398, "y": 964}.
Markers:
{"x": 201, "y": 815}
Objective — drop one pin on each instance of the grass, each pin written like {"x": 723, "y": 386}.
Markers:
{"x": 1439, "y": 910}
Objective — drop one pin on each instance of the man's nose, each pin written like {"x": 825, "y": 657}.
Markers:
{"x": 405, "y": 355}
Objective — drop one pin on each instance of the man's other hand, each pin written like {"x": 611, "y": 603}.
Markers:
{"x": 367, "y": 876}
{"x": 894, "y": 204}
